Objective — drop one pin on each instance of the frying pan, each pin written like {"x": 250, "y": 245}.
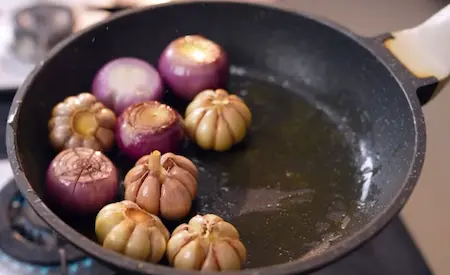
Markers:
{"x": 335, "y": 149}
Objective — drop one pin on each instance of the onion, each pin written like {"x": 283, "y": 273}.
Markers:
{"x": 148, "y": 126}
{"x": 125, "y": 81}
{"x": 81, "y": 181}
{"x": 191, "y": 64}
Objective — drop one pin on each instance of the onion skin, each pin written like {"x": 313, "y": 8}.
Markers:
{"x": 216, "y": 120}
{"x": 125, "y": 81}
{"x": 81, "y": 181}
{"x": 138, "y": 133}
{"x": 82, "y": 121}
{"x": 162, "y": 185}
{"x": 127, "y": 229}
{"x": 191, "y": 64}
{"x": 206, "y": 243}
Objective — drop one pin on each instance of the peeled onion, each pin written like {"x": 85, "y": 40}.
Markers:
{"x": 125, "y": 81}
{"x": 148, "y": 126}
{"x": 81, "y": 181}
{"x": 191, "y": 64}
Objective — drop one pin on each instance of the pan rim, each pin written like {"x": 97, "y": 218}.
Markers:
{"x": 335, "y": 252}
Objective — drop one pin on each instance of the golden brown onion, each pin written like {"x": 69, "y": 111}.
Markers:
{"x": 148, "y": 126}
{"x": 81, "y": 181}
{"x": 206, "y": 243}
{"x": 163, "y": 185}
{"x": 82, "y": 121}
{"x": 129, "y": 230}
{"x": 216, "y": 120}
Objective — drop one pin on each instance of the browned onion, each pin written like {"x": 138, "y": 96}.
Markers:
{"x": 148, "y": 126}
{"x": 81, "y": 181}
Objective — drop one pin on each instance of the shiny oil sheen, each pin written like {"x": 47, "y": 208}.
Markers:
{"x": 291, "y": 188}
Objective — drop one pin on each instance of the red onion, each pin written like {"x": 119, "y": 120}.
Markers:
{"x": 126, "y": 81}
{"x": 191, "y": 64}
{"x": 148, "y": 126}
{"x": 81, "y": 181}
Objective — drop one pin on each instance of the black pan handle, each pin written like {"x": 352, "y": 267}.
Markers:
{"x": 425, "y": 51}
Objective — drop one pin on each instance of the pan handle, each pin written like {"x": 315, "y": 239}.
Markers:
{"x": 425, "y": 51}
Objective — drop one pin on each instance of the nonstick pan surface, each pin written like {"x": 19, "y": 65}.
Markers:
{"x": 334, "y": 149}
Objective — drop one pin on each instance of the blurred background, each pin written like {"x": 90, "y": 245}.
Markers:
{"x": 26, "y": 34}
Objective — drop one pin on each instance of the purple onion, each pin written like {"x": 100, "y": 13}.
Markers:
{"x": 81, "y": 181}
{"x": 148, "y": 126}
{"x": 125, "y": 81}
{"x": 191, "y": 64}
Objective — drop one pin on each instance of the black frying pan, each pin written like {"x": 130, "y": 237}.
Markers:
{"x": 335, "y": 149}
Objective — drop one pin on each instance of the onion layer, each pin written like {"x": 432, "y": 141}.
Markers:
{"x": 148, "y": 126}
{"x": 125, "y": 81}
{"x": 81, "y": 181}
{"x": 191, "y": 64}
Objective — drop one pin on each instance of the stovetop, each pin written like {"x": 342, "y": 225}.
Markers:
{"x": 28, "y": 245}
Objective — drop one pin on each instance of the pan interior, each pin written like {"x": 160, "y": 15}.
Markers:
{"x": 291, "y": 188}
{"x": 294, "y": 184}
{"x": 331, "y": 139}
